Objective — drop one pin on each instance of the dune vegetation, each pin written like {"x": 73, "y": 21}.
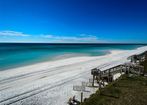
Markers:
{"x": 127, "y": 90}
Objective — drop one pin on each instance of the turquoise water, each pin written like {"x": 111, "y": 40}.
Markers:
{"x": 14, "y": 55}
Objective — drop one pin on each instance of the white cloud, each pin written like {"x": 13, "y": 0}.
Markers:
{"x": 12, "y": 33}
{"x": 48, "y": 38}
{"x": 72, "y": 39}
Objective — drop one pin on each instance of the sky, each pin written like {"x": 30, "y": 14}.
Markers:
{"x": 73, "y": 21}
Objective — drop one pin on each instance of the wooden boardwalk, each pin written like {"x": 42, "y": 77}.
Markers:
{"x": 133, "y": 67}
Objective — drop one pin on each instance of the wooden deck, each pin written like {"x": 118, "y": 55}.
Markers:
{"x": 133, "y": 67}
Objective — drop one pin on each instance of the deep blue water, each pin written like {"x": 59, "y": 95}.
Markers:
{"x": 14, "y": 55}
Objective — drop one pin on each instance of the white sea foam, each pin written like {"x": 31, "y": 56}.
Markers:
{"x": 51, "y": 83}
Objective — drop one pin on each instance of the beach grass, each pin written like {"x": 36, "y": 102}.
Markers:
{"x": 125, "y": 91}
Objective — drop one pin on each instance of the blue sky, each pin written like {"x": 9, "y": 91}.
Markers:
{"x": 73, "y": 21}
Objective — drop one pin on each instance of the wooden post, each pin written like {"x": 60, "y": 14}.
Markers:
{"x": 109, "y": 76}
{"x": 126, "y": 70}
{"x": 81, "y": 97}
{"x": 103, "y": 82}
{"x": 143, "y": 70}
{"x": 100, "y": 85}
{"x": 121, "y": 70}
{"x": 100, "y": 81}
{"x": 93, "y": 80}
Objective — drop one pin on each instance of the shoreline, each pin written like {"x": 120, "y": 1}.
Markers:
{"x": 55, "y": 57}
{"x": 55, "y": 78}
{"x": 58, "y": 62}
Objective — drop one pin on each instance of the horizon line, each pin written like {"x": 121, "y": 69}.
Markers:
{"x": 70, "y": 43}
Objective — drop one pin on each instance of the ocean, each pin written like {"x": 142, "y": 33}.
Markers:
{"x": 14, "y": 55}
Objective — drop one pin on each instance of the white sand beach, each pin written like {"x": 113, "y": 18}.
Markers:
{"x": 51, "y": 83}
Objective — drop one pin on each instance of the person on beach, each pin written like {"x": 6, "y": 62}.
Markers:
{"x": 73, "y": 101}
